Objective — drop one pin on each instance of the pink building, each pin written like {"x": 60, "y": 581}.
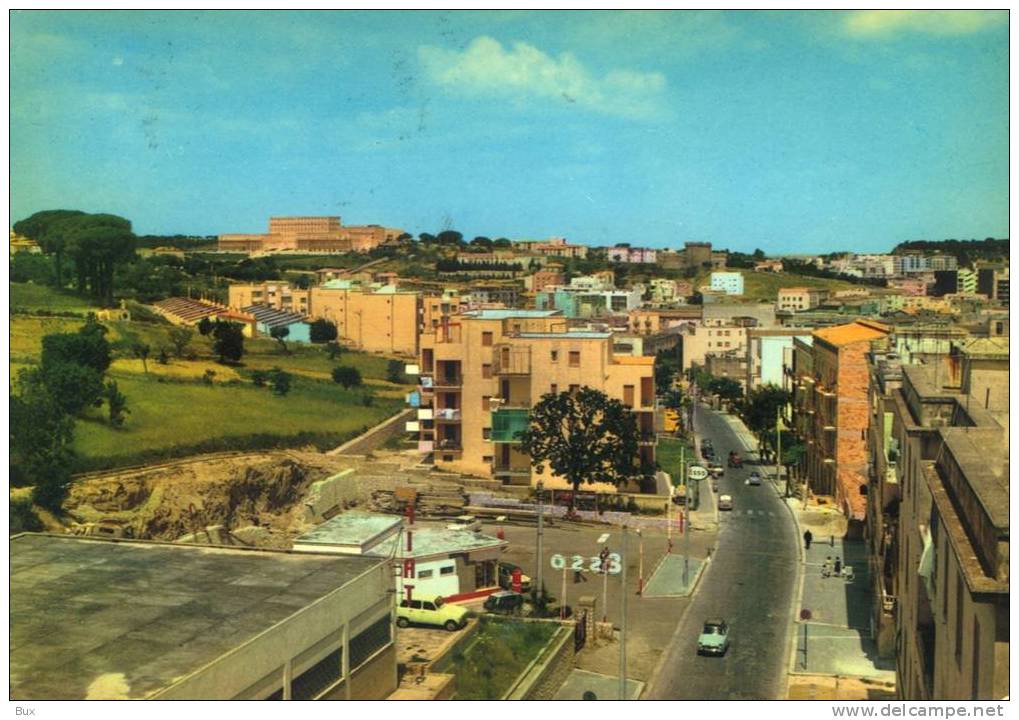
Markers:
{"x": 632, "y": 255}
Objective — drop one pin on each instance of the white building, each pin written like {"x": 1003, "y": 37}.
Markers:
{"x": 731, "y": 283}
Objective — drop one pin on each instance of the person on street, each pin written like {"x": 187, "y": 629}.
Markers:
{"x": 807, "y": 538}
{"x": 826, "y": 567}
{"x": 838, "y": 567}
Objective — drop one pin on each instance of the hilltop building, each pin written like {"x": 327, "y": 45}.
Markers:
{"x": 309, "y": 235}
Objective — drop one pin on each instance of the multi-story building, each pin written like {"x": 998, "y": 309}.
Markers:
{"x": 699, "y": 341}
{"x": 482, "y": 371}
{"x": 580, "y": 303}
{"x": 309, "y": 235}
{"x": 946, "y": 539}
{"x": 731, "y": 283}
{"x": 832, "y": 414}
{"x": 909, "y": 286}
{"x": 553, "y": 247}
{"x": 769, "y": 356}
{"x": 374, "y": 319}
{"x": 796, "y": 299}
{"x": 551, "y": 275}
{"x": 626, "y": 254}
{"x": 652, "y": 321}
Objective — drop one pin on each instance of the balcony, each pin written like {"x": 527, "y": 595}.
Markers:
{"x": 447, "y": 414}
{"x": 509, "y": 360}
{"x": 447, "y": 381}
{"x": 500, "y": 470}
{"x": 449, "y": 445}
{"x": 508, "y": 424}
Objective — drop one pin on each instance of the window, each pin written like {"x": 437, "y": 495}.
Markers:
{"x": 555, "y": 355}
{"x": 422, "y": 574}
{"x": 486, "y": 371}
{"x": 428, "y": 606}
{"x": 574, "y": 389}
{"x": 628, "y": 395}
{"x": 486, "y": 403}
{"x": 553, "y": 388}
{"x": 486, "y": 458}
{"x": 486, "y": 433}
{"x": 486, "y": 339}
{"x": 318, "y": 678}
{"x": 574, "y": 358}
{"x": 369, "y": 641}
{"x": 448, "y": 570}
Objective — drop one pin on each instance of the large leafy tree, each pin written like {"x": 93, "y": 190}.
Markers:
{"x": 41, "y": 433}
{"x": 42, "y": 227}
{"x": 347, "y": 376}
{"x": 228, "y": 341}
{"x": 97, "y": 244}
{"x": 585, "y": 437}
{"x": 762, "y": 406}
{"x": 322, "y": 331}
{"x": 726, "y": 388}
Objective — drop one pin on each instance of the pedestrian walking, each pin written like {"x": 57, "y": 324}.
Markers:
{"x": 578, "y": 576}
{"x": 831, "y": 541}
{"x": 838, "y": 567}
{"x": 826, "y": 567}
{"x": 807, "y": 538}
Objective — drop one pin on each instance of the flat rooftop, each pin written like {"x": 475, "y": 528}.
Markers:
{"x": 86, "y": 614}
{"x": 574, "y": 334}
{"x": 351, "y": 529}
{"x": 434, "y": 540}
{"x": 499, "y": 314}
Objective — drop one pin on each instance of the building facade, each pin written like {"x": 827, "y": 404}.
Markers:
{"x": 731, "y": 283}
{"x": 481, "y": 372}
{"x": 309, "y": 234}
{"x": 800, "y": 298}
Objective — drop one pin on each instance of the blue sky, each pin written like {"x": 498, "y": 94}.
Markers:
{"x": 788, "y": 131}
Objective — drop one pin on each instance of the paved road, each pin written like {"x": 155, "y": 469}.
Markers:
{"x": 750, "y": 582}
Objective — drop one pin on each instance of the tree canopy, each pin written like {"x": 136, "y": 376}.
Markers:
{"x": 584, "y": 437}
{"x": 228, "y": 341}
{"x": 38, "y": 227}
{"x": 322, "y": 331}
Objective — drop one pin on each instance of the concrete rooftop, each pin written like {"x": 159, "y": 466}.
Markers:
{"x": 429, "y": 541}
{"x": 85, "y": 613}
{"x": 351, "y": 529}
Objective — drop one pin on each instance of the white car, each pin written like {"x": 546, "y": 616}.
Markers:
{"x": 754, "y": 479}
{"x": 725, "y": 502}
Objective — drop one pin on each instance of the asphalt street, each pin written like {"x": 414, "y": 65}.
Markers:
{"x": 749, "y": 582}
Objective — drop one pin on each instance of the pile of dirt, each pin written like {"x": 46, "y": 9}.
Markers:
{"x": 262, "y": 490}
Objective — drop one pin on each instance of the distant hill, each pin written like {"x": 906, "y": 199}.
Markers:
{"x": 965, "y": 250}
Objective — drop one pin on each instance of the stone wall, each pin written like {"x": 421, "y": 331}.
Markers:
{"x": 547, "y": 677}
{"x": 373, "y": 438}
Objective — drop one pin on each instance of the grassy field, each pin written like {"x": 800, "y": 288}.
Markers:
{"x": 28, "y": 296}
{"x": 167, "y": 417}
{"x": 669, "y": 456}
{"x": 173, "y": 412}
{"x": 764, "y": 286}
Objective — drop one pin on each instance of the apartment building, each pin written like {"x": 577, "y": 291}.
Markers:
{"x": 769, "y": 356}
{"x": 831, "y": 415}
{"x": 483, "y": 370}
{"x": 576, "y": 302}
{"x": 946, "y": 539}
{"x": 550, "y": 276}
{"x": 796, "y": 299}
{"x": 374, "y": 319}
{"x": 309, "y": 234}
{"x": 627, "y": 254}
{"x": 652, "y": 321}
{"x": 553, "y": 247}
{"x": 699, "y": 341}
{"x": 730, "y": 283}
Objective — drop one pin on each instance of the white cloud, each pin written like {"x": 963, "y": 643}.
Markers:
{"x": 524, "y": 73}
{"x": 883, "y": 23}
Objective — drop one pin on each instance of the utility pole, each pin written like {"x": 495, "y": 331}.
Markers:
{"x": 622, "y": 630}
{"x": 686, "y": 531}
{"x": 541, "y": 530}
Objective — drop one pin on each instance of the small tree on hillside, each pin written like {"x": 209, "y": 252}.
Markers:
{"x": 333, "y": 349}
{"x": 205, "y": 326}
{"x": 323, "y": 331}
{"x": 141, "y": 351}
{"x": 228, "y": 341}
{"x": 280, "y": 334}
{"x": 280, "y": 381}
{"x": 116, "y": 403}
{"x": 394, "y": 371}
{"x": 180, "y": 336}
{"x": 347, "y": 376}
{"x": 585, "y": 437}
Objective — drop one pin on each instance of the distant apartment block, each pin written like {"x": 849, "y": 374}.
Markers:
{"x": 481, "y": 373}
{"x": 797, "y": 299}
{"x": 700, "y": 341}
{"x": 550, "y": 276}
{"x": 831, "y": 413}
{"x": 577, "y": 302}
{"x": 730, "y": 283}
{"x": 553, "y": 247}
{"x": 625, "y": 254}
{"x": 309, "y": 235}
{"x": 652, "y": 321}
{"x": 383, "y": 320}
{"x": 769, "y": 356}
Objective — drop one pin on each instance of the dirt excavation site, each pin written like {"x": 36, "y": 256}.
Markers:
{"x": 260, "y": 499}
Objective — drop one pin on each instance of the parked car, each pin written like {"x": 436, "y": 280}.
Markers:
{"x": 504, "y": 601}
{"x": 431, "y": 612}
{"x": 755, "y": 478}
{"x": 725, "y": 502}
{"x": 506, "y": 577}
{"x": 714, "y": 638}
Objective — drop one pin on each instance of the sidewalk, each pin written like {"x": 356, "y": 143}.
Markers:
{"x": 838, "y": 635}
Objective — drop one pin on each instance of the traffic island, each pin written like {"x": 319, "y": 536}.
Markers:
{"x": 674, "y": 577}
{"x": 586, "y": 685}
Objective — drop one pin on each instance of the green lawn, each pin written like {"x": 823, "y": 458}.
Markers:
{"x": 177, "y": 418}
{"x": 28, "y": 296}
{"x": 500, "y": 650}
{"x": 764, "y": 286}
{"x": 669, "y": 456}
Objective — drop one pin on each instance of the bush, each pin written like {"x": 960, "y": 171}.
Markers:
{"x": 23, "y": 517}
{"x": 347, "y": 376}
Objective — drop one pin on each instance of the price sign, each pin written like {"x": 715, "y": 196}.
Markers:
{"x": 696, "y": 472}
{"x": 612, "y": 564}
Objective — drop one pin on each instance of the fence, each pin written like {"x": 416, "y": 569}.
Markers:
{"x": 608, "y": 517}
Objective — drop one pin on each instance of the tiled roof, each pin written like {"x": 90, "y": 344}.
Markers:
{"x": 857, "y": 331}
{"x": 187, "y": 310}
